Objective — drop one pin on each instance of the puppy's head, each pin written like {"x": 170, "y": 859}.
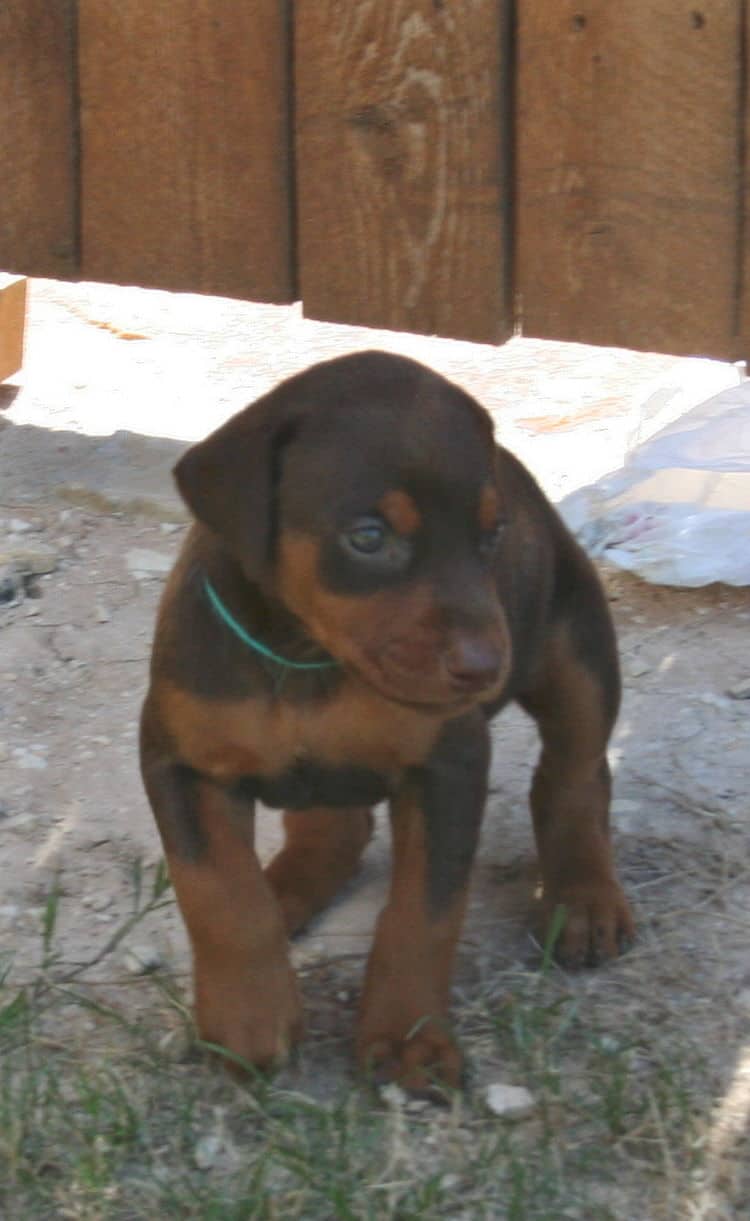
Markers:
{"x": 364, "y": 494}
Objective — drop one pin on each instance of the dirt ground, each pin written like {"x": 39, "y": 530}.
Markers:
{"x": 115, "y": 382}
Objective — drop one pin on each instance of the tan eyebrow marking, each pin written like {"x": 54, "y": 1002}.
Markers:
{"x": 489, "y": 507}
{"x": 400, "y": 511}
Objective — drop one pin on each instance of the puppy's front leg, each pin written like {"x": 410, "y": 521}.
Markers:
{"x": 246, "y": 996}
{"x": 403, "y": 1031}
{"x": 574, "y": 702}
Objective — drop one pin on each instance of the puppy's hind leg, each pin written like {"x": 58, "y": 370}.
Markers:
{"x": 322, "y": 850}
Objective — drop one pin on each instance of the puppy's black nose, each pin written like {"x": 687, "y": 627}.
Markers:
{"x": 473, "y": 664}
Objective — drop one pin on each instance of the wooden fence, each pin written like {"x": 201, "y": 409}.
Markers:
{"x": 459, "y": 167}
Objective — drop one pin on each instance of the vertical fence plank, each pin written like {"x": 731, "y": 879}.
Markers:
{"x": 401, "y": 112}
{"x": 185, "y": 150}
{"x": 37, "y": 143}
{"x": 628, "y": 172}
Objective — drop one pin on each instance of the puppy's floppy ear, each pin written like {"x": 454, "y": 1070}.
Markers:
{"x": 228, "y": 481}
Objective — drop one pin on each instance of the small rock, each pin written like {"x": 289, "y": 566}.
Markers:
{"x": 206, "y": 1151}
{"x": 147, "y": 565}
{"x": 415, "y": 1106}
{"x": 98, "y": 903}
{"x": 393, "y": 1095}
{"x": 636, "y": 667}
{"x": 17, "y": 525}
{"x": 509, "y": 1101}
{"x": 28, "y": 760}
{"x": 142, "y": 960}
{"x": 740, "y": 691}
{"x": 170, "y": 527}
{"x": 28, "y": 559}
{"x": 609, "y": 1044}
{"x": 101, "y": 614}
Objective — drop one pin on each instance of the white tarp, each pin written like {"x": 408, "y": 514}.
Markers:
{"x": 678, "y": 512}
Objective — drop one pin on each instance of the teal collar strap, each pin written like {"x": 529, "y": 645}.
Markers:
{"x": 254, "y": 644}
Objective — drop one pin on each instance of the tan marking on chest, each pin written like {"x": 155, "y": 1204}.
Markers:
{"x": 232, "y": 738}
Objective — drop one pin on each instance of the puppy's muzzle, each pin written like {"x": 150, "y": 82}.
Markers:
{"x": 473, "y": 665}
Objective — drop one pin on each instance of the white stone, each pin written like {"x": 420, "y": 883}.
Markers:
{"x": 509, "y": 1101}
{"x": 28, "y": 761}
{"x": 142, "y": 959}
{"x": 393, "y": 1095}
{"x": 146, "y": 565}
{"x": 206, "y": 1151}
{"x": 99, "y": 902}
{"x": 636, "y": 667}
{"x": 31, "y": 558}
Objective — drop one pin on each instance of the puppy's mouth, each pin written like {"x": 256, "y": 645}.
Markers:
{"x": 454, "y": 680}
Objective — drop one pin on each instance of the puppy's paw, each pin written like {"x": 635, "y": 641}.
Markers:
{"x": 589, "y": 922}
{"x": 256, "y": 1021}
{"x": 423, "y": 1059}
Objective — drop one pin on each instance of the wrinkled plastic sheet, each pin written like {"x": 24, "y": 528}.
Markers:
{"x": 678, "y": 511}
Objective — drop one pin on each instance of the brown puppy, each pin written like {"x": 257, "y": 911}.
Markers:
{"x": 368, "y": 580}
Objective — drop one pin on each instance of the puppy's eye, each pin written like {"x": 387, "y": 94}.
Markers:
{"x": 367, "y": 536}
{"x": 370, "y": 541}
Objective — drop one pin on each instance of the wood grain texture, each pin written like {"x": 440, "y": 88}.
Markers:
{"x": 37, "y": 142}
{"x": 401, "y": 176}
{"x": 185, "y": 145}
{"x": 628, "y": 172}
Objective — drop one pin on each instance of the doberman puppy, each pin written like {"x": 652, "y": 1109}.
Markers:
{"x": 368, "y": 580}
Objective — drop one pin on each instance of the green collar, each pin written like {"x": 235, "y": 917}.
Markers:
{"x": 257, "y": 645}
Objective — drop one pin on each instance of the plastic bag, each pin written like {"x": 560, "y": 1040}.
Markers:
{"x": 678, "y": 512}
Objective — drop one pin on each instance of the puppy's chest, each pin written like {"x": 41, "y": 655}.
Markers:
{"x": 350, "y": 750}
